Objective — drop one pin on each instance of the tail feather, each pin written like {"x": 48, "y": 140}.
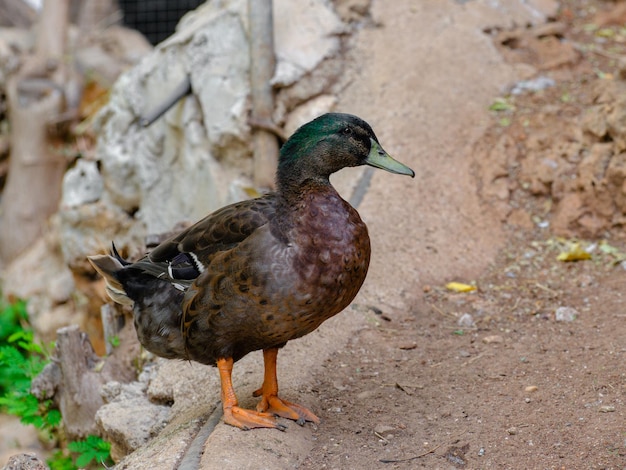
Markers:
{"x": 108, "y": 267}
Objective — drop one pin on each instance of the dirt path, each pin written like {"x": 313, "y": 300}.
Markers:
{"x": 516, "y": 389}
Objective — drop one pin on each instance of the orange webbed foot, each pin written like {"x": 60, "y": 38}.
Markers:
{"x": 249, "y": 419}
{"x": 277, "y": 406}
{"x": 271, "y": 403}
{"x": 233, "y": 414}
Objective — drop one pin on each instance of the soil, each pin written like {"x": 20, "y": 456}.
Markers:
{"x": 515, "y": 388}
{"x": 527, "y": 371}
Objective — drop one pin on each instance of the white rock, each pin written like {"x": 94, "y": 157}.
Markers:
{"x": 128, "y": 424}
{"x": 466, "y": 320}
{"x": 41, "y": 276}
{"x": 82, "y": 184}
{"x": 169, "y": 171}
{"x": 303, "y": 37}
{"x": 565, "y": 314}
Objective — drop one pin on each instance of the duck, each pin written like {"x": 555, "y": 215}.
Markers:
{"x": 258, "y": 273}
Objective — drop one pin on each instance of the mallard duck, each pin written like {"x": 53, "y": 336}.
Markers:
{"x": 258, "y": 273}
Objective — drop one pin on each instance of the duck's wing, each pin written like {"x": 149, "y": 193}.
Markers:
{"x": 184, "y": 256}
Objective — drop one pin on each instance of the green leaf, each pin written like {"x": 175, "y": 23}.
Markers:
{"x": 84, "y": 459}
{"x": 92, "y": 448}
{"x": 501, "y": 104}
{"x": 114, "y": 341}
{"x": 53, "y": 418}
{"x": 60, "y": 461}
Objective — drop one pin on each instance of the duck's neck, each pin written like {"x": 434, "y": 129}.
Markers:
{"x": 293, "y": 181}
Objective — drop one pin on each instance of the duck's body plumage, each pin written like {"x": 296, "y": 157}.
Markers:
{"x": 256, "y": 274}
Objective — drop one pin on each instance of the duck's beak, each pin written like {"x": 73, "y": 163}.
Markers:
{"x": 378, "y": 158}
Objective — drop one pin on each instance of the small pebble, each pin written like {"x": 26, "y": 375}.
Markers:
{"x": 531, "y": 388}
{"x": 606, "y": 409}
{"x": 383, "y": 429}
{"x": 535, "y": 84}
{"x": 565, "y": 314}
{"x": 481, "y": 451}
{"x": 527, "y": 400}
{"x": 366, "y": 395}
{"x": 512, "y": 431}
{"x": 466, "y": 320}
{"x": 493, "y": 339}
{"x": 340, "y": 386}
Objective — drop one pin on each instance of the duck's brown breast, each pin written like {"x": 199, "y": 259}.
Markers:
{"x": 271, "y": 289}
{"x": 328, "y": 258}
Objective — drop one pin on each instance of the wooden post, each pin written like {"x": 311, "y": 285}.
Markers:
{"x": 35, "y": 97}
{"x": 262, "y": 65}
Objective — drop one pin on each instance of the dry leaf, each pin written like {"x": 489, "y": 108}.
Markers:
{"x": 574, "y": 252}
{"x": 460, "y": 287}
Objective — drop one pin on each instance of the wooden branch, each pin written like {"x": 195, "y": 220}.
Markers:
{"x": 33, "y": 186}
{"x": 262, "y": 65}
{"x": 52, "y": 29}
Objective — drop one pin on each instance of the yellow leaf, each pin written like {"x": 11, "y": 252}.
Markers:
{"x": 460, "y": 287}
{"x": 575, "y": 252}
{"x": 251, "y": 192}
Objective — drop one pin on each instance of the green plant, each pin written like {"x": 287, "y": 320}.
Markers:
{"x": 92, "y": 448}
{"x": 21, "y": 360}
{"x": 114, "y": 341}
{"x": 12, "y": 318}
{"x": 61, "y": 460}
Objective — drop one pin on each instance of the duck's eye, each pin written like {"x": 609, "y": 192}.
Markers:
{"x": 347, "y": 131}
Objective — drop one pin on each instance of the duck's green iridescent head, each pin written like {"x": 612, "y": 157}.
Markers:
{"x": 331, "y": 142}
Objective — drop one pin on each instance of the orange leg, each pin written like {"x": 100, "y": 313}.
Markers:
{"x": 270, "y": 402}
{"x": 233, "y": 414}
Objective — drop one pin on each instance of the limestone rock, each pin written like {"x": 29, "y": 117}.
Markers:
{"x": 89, "y": 228}
{"x": 303, "y": 38}
{"x": 30, "y": 276}
{"x": 82, "y": 184}
{"x": 27, "y": 461}
{"x": 130, "y": 419}
{"x": 168, "y": 171}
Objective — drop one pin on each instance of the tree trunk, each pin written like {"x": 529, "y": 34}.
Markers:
{"x": 33, "y": 185}
{"x": 35, "y": 97}
{"x": 262, "y": 65}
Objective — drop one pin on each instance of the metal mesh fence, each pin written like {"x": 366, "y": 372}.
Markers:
{"x": 156, "y": 19}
